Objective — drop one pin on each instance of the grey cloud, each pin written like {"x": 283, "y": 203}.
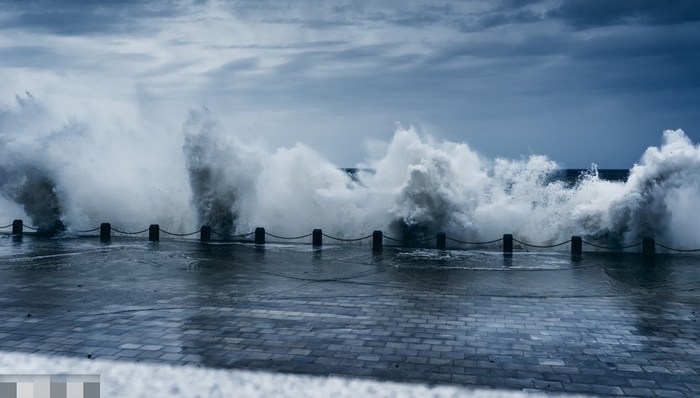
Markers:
{"x": 78, "y": 17}
{"x": 422, "y": 15}
{"x": 627, "y": 66}
{"x": 309, "y": 23}
{"x": 234, "y": 67}
{"x": 66, "y": 23}
{"x": 502, "y": 18}
{"x": 314, "y": 14}
{"x": 30, "y": 56}
{"x": 516, "y": 66}
{"x": 43, "y": 57}
{"x": 417, "y": 14}
{"x": 290, "y": 46}
{"x": 594, "y": 13}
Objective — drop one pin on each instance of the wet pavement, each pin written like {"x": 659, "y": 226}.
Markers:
{"x": 604, "y": 324}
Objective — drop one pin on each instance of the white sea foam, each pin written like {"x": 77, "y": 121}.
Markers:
{"x": 123, "y": 379}
{"x": 90, "y": 173}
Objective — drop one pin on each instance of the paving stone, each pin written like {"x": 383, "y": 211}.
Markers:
{"x": 169, "y": 356}
{"x": 639, "y": 392}
{"x": 299, "y": 351}
{"x": 669, "y": 394}
{"x": 608, "y": 390}
{"x": 130, "y": 346}
{"x": 497, "y": 328}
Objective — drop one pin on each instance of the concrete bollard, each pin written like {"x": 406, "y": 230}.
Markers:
{"x": 648, "y": 246}
{"x": 205, "y": 233}
{"x": 105, "y": 232}
{"x": 441, "y": 241}
{"x": 154, "y": 232}
{"x": 377, "y": 240}
{"x": 259, "y": 236}
{"x": 17, "y": 227}
{"x": 576, "y": 246}
{"x": 317, "y": 237}
{"x": 507, "y": 244}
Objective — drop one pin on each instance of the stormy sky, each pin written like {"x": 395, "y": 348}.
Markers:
{"x": 581, "y": 81}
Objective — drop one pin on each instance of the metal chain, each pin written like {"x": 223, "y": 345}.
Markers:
{"x": 610, "y": 247}
{"x": 128, "y": 233}
{"x": 86, "y": 231}
{"x": 542, "y": 246}
{"x": 174, "y": 234}
{"x": 347, "y": 240}
{"x": 474, "y": 243}
{"x": 677, "y": 250}
{"x": 287, "y": 237}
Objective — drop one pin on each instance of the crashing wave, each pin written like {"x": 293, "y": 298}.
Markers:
{"x": 80, "y": 174}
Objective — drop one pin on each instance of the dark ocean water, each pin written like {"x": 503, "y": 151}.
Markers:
{"x": 573, "y": 175}
{"x": 570, "y": 176}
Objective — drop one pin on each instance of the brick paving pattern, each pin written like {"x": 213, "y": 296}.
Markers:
{"x": 608, "y": 325}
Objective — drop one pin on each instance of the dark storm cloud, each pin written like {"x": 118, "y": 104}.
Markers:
{"x": 423, "y": 15}
{"x": 530, "y": 61}
{"x": 313, "y": 14}
{"x": 43, "y": 57}
{"x": 360, "y": 76}
{"x": 508, "y": 64}
{"x": 79, "y": 17}
{"x": 596, "y": 13}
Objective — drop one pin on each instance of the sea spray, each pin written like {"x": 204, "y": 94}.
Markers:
{"x": 93, "y": 171}
{"x": 80, "y": 173}
{"x": 222, "y": 173}
{"x": 657, "y": 199}
{"x": 422, "y": 186}
{"x": 298, "y": 191}
{"x": 24, "y": 178}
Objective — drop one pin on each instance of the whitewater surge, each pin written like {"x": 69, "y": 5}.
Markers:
{"x": 70, "y": 175}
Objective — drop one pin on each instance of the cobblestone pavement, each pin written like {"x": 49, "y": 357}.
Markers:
{"x": 602, "y": 325}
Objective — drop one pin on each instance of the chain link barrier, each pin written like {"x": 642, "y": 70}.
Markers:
{"x": 541, "y": 246}
{"x": 86, "y": 231}
{"x": 425, "y": 240}
{"x": 347, "y": 240}
{"x": 677, "y": 250}
{"x": 611, "y": 247}
{"x": 219, "y": 234}
{"x": 288, "y": 237}
{"x": 128, "y": 233}
{"x": 176, "y": 234}
{"x": 473, "y": 243}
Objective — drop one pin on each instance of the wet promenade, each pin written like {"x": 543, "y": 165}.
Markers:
{"x": 607, "y": 324}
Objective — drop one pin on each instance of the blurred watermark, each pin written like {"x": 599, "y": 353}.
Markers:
{"x": 50, "y": 386}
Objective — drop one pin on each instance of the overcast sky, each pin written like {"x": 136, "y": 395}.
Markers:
{"x": 581, "y": 81}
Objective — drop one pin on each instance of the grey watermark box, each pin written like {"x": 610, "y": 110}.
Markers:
{"x": 50, "y": 386}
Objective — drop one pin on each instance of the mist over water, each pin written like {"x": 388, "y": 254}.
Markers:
{"x": 75, "y": 174}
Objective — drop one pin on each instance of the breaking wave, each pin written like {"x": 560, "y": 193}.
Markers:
{"x": 72, "y": 175}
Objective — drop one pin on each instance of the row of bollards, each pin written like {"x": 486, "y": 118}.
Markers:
{"x": 648, "y": 244}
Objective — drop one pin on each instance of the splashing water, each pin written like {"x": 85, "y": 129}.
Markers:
{"x": 72, "y": 174}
